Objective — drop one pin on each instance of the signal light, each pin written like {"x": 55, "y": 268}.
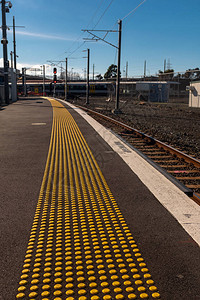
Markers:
{"x": 54, "y": 71}
{"x": 55, "y": 78}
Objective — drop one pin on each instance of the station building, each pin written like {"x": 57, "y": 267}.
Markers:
{"x": 194, "y": 94}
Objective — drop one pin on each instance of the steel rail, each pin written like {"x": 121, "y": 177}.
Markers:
{"x": 187, "y": 158}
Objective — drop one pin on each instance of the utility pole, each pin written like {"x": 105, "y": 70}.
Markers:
{"x": 93, "y": 72}
{"x": 117, "y": 110}
{"x": 11, "y": 59}
{"x": 24, "y": 80}
{"x": 145, "y": 69}
{"x": 97, "y": 38}
{"x": 43, "y": 80}
{"x": 14, "y": 45}
{"x": 88, "y": 75}
{"x": 164, "y": 65}
{"x": 126, "y": 70}
{"x": 4, "y": 41}
{"x": 66, "y": 80}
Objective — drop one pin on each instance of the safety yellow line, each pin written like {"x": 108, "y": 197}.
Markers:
{"x": 80, "y": 246}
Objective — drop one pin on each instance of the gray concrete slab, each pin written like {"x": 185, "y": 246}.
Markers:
{"x": 170, "y": 253}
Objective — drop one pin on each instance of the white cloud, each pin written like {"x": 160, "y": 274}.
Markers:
{"x": 48, "y": 69}
{"x": 42, "y": 35}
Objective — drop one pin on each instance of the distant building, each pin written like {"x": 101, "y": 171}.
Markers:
{"x": 194, "y": 94}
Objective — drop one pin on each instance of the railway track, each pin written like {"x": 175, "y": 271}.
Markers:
{"x": 182, "y": 169}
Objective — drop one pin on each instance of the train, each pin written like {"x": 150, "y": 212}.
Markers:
{"x": 74, "y": 89}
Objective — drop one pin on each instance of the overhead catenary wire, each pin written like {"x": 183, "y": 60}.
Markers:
{"x": 94, "y": 26}
{"x": 133, "y": 10}
{"x": 68, "y": 50}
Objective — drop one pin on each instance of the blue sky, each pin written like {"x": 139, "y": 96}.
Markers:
{"x": 157, "y": 30}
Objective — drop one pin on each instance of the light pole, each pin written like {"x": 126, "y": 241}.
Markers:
{"x": 11, "y": 59}
{"x": 4, "y": 41}
{"x": 88, "y": 75}
{"x": 43, "y": 80}
{"x": 66, "y": 79}
{"x": 97, "y": 38}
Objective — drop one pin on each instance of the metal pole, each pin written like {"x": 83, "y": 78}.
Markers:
{"x": 66, "y": 80}
{"x": 126, "y": 70}
{"x": 5, "y": 54}
{"x": 93, "y": 72}
{"x": 24, "y": 80}
{"x": 11, "y": 59}
{"x": 14, "y": 45}
{"x": 118, "y": 68}
{"x": 88, "y": 74}
{"x": 43, "y": 80}
{"x": 145, "y": 68}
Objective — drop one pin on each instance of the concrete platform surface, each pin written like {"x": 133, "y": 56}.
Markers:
{"x": 76, "y": 222}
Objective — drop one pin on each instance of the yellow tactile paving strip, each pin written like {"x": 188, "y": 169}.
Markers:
{"x": 80, "y": 246}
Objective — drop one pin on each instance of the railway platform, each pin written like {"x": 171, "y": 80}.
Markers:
{"x": 82, "y": 216}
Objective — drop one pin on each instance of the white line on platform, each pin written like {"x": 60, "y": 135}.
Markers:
{"x": 184, "y": 210}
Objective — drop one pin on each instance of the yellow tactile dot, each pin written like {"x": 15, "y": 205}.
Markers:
{"x": 138, "y": 282}
{"x": 123, "y": 271}
{"x": 113, "y": 271}
{"x": 153, "y": 288}
{"x": 57, "y": 286}
{"x": 116, "y": 283}
{"x": 47, "y": 269}
{"x": 23, "y": 282}
{"x": 69, "y": 292}
{"x": 91, "y": 272}
{"x": 82, "y": 292}
{"x": 20, "y": 296}
{"x": 114, "y": 277}
{"x": 92, "y": 278}
{"x": 57, "y": 293}
{"x": 25, "y": 271}
{"x": 136, "y": 276}
{"x": 69, "y": 286}
{"x": 21, "y": 289}
{"x": 119, "y": 297}
{"x": 46, "y": 280}
{"x": 70, "y": 298}
{"x": 46, "y": 287}
{"x": 93, "y": 284}
{"x": 34, "y": 288}
{"x": 107, "y": 297}
{"x": 127, "y": 282}
{"x": 95, "y": 298}
{"x": 156, "y": 295}
{"x": 132, "y": 296}
{"x": 46, "y": 275}
{"x": 134, "y": 270}
{"x": 147, "y": 275}
{"x": 94, "y": 291}
{"x": 26, "y": 265}
{"x": 32, "y": 295}
{"x": 141, "y": 289}
{"x": 104, "y": 284}
{"x": 36, "y": 275}
{"x": 81, "y": 285}
{"x": 144, "y": 296}
{"x": 129, "y": 289}
{"x": 82, "y": 298}
{"x": 106, "y": 291}
{"x": 45, "y": 294}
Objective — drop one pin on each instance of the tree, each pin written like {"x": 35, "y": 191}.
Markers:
{"x": 166, "y": 75}
{"x": 111, "y": 72}
{"x": 193, "y": 74}
{"x": 99, "y": 77}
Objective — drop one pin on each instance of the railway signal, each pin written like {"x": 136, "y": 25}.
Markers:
{"x": 54, "y": 75}
{"x": 54, "y": 81}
